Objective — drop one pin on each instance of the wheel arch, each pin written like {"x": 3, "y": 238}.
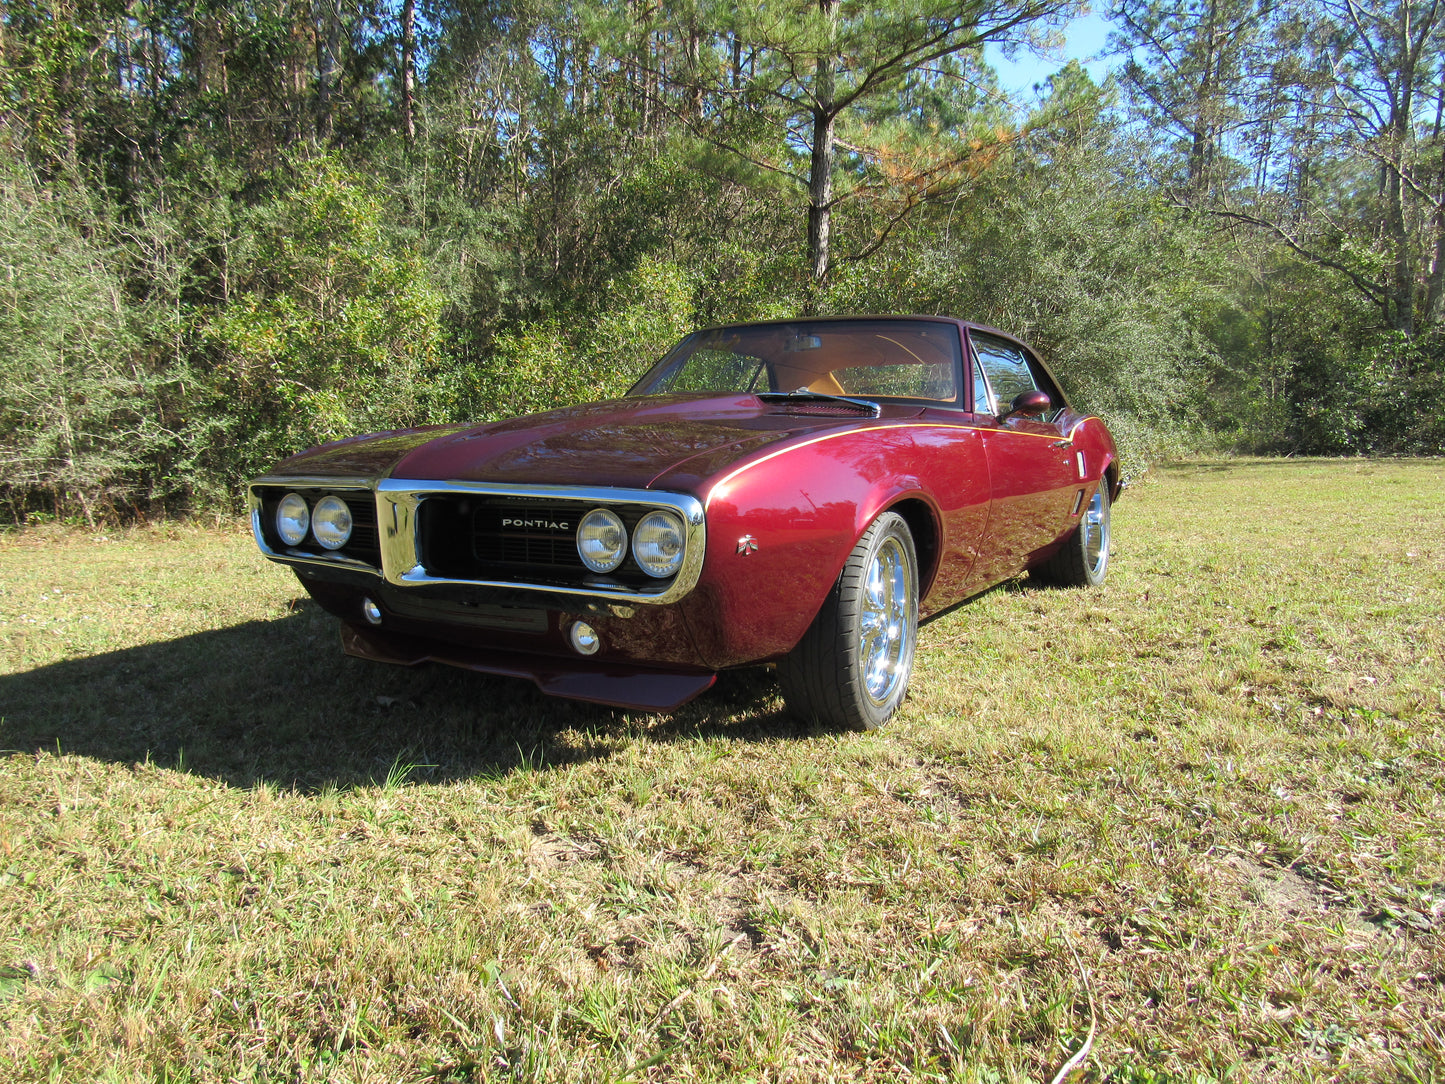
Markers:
{"x": 1094, "y": 439}
{"x": 922, "y": 523}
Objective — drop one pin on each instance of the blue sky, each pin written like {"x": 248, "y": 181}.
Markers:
{"x": 1086, "y": 38}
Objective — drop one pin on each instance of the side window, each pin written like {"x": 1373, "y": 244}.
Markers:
{"x": 982, "y": 404}
{"x": 1005, "y": 366}
{"x": 1045, "y": 384}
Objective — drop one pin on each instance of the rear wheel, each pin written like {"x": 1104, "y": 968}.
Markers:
{"x": 1083, "y": 560}
{"x": 852, "y": 666}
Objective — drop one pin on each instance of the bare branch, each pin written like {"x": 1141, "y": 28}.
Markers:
{"x": 1371, "y": 290}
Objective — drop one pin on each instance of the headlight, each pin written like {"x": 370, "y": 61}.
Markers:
{"x": 331, "y": 522}
{"x": 657, "y": 544}
{"x": 601, "y": 540}
{"x": 292, "y": 519}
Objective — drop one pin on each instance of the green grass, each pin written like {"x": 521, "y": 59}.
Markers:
{"x": 1205, "y": 804}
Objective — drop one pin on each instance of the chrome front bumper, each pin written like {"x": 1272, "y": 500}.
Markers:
{"x": 397, "y": 502}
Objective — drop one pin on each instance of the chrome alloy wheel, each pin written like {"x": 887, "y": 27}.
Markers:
{"x": 887, "y": 621}
{"x": 1095, "y": 528}
{"x": 851, "y": 667}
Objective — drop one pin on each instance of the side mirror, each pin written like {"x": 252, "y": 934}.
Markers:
{"x": 1028, "y": 402}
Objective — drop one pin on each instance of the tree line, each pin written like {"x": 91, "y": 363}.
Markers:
{"x": 229, "y": 231}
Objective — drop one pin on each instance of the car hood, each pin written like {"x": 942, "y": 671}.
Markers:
{"x": 621, "y": 442}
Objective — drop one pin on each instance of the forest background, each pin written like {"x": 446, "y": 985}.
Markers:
{"x": 229, "y": 231}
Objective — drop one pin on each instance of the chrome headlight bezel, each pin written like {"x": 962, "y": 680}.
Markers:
{"x": 292, "y": 525}
{"x": 331, "y": 522}
{"x": 596, "y": 527}
{"x": 659, "y": 543}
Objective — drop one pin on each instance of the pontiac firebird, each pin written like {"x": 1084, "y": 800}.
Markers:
{"x": 799, "y": 493}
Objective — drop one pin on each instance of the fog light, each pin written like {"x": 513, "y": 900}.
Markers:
{"x": 585, "y": 640}
{"x": 371, "y": 611}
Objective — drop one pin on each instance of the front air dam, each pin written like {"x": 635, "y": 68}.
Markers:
{"x": 574, "y": 679}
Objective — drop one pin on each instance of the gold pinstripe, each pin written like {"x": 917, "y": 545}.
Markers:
{"x": 721, "y": 485}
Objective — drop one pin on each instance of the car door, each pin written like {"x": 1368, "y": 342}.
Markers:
{"x": 1033, "y": 474}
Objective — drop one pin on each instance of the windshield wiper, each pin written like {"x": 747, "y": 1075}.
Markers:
{"x": 803, "y": 395}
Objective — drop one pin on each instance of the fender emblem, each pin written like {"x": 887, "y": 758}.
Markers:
{"x": 747, "y": 544}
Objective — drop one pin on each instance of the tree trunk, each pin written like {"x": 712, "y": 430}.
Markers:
{"x": 692, "y": 53}
{"x": 328, "y": 35}
{"x": 1205, "y": 108}
{"x": 408, "y": 71}
{"x": 820, "y": 193}
{"x": 1435, "y": 281}
{"x": 1402, "y": 279}
{"x": 820, "y": 167}
{"x": 1435, "y": 287}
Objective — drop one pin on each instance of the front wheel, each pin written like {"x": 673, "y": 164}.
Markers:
{"x": 1083, "y": 560}
{"x": 851, "y": 668}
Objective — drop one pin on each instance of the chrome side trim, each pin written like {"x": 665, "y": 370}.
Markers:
{"x": 300, "y": 557}
{"x": 397, "y": 501}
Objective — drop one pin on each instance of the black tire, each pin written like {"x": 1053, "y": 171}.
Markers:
{"x": 852, "y": 666}
{"x": 1083, "y": 560}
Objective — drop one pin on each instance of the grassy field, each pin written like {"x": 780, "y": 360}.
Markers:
{"x": 1197, "y": 816}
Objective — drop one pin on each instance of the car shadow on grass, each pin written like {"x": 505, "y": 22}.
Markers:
{"x": 276, "y": 701}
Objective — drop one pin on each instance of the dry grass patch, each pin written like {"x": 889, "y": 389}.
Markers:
{"x": 1213, "y": 788}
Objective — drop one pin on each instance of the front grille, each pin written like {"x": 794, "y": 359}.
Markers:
{"x": 515, "y": 539}
{"x": 535, "y": 534}
{"x": 490, "y": 547}
{"x": 365, "y": 544}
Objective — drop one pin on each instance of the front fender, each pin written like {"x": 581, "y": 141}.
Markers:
{"x": 779, "y": 533}
{"x": 1092, "y": 438}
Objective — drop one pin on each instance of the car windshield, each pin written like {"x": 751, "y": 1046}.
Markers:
{"x": 917, "y": 360}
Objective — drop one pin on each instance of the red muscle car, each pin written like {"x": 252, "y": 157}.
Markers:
{"x": 799, "y": 492}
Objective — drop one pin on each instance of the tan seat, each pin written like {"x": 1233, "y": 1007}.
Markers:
{"x": 826, "y": 384}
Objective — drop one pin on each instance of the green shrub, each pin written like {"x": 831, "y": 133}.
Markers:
{"x": 542, "y": 365}
{"x": 335, "y": 330}
{"x": 79, "y": 426}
